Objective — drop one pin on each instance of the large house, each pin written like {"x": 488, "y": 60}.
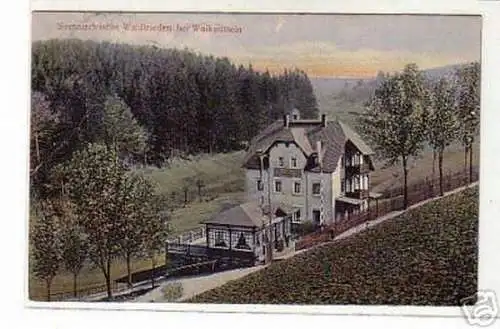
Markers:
{"x": 319, "y": 170}
{"x": 297, "y": 170}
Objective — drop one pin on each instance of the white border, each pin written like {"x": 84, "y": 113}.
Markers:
{"x": 489, "y": 207}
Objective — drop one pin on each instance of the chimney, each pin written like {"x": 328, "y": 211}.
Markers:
{"x": 286, "y": 120}
{"x": 323, "y": 120}
{"x": 318, "y": 149}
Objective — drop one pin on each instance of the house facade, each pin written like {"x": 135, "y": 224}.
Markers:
{"x": 318, "y": 169}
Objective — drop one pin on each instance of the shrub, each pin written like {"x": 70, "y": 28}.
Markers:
{"x": 172, "y": 292}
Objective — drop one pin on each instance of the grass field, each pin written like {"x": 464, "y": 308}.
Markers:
{"x": 89, "y": 278}
{"x": 420, "y": 168}
{"x": 428, "y": 256}
{"x": 224, "y": 186}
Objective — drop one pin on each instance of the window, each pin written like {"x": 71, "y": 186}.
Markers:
{"x": 262, "y": 200}
{"x": 277, "y": 186}
{"x": 281, "y": 162}
{"x": 316, "y": 217}
{"x": 260, "y": 186}
{"x": 342, "y": 185}
{"x": 348, "y": 187}
{"x": 296, "y": 216}
{"x": 219, "y": 239}
{"x": 356, "y": 183}
{"x": 296, "y": 187}
{"x": 293, "y": 162}
{"x": 242, "y": 243}
{"x": 316, "y": 188}
{"x": 347, "y": 161}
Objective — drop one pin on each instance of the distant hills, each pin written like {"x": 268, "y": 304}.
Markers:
{"x": 338, "y": 97}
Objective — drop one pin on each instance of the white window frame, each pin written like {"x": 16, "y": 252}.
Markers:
{"x": 348, "y": 185}
{"x": 296, "y": 162}
{"x": 260, "y": 185}
{"x": 294, "y": 218}
{"x": 296, "y": 181}
{"x": 274, "y": 185}
{"x": 312, "y": 188}
{"x": 281, "y": 164}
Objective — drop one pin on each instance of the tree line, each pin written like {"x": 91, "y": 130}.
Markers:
{"x": 408, "y": 111}
{"x": 102, "y": 212}
{"x": 182, "y": 102}
{"x": 100, "y": 109}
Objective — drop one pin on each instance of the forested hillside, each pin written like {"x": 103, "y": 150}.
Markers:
{"x": 174, "y": 102}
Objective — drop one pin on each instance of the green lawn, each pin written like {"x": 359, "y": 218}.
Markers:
{"x": 224, "y": 186}
{"x": 428, "y": 256}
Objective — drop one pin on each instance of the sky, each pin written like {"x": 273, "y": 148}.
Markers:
{"x": 321, "y": 45}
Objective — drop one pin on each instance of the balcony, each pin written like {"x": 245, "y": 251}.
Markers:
{"x": 356, "y": 169}
{"x": 358, "y": 194}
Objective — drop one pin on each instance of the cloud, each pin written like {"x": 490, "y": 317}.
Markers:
{"x": 321, "y": 45}
{"x": 326, "y": 59}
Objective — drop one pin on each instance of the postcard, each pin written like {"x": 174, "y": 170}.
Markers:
{"x": 256, "y": 159}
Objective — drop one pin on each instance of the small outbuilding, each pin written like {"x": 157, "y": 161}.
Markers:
{"x": 251, "y": 228}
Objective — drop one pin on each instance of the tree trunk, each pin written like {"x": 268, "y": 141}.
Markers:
{"x": 434, "y": 154}
{"x": 49, "y": 284}
{"x": 440, "y": 164}
{"x": 37, "y": 146}
{"x": 153, "y": 271}
{"x": 107, "y": 275}
{"x": 405, "y": 186}
{"x": 470, "y": 163}
{"x": 129, "y": 272}
{"x": 75, "y": 278}
{"x": 466, "y": 150}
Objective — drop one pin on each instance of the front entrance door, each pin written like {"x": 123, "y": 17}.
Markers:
{"x": 316, "y": 217}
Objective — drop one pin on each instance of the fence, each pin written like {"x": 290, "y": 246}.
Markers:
{"x": 189, "y": 236}
{"x": 85, "y": 292}
{"x": 391, "y": 200}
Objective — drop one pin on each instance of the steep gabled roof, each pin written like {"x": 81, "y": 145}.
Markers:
{"x": 306, "y": 133}
{"x": 356, "y": 139}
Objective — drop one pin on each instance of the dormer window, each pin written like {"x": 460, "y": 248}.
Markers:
{"x": 293, "y": 162}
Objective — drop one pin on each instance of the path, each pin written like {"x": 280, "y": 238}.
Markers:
{"x": 193, "y": 286}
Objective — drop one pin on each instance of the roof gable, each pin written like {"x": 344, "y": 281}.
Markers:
{"x": 306, "y": 133}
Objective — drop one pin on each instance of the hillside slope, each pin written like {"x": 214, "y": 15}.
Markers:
{"x": 427, "y": 256}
